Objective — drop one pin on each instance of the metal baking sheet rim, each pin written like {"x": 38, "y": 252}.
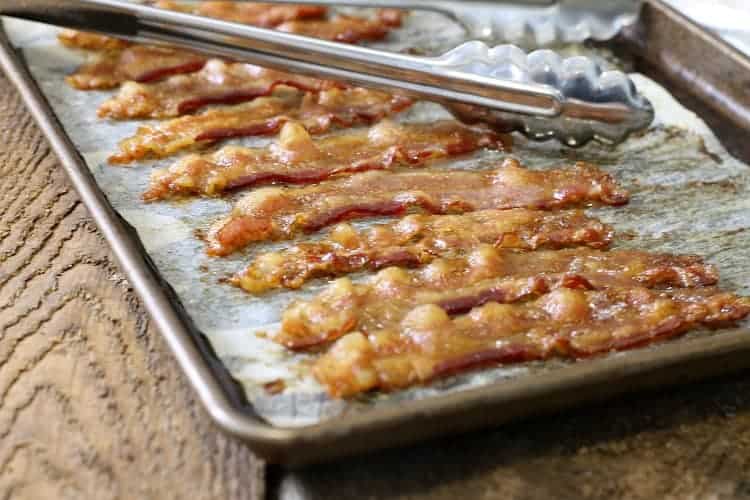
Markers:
{"x": 481, "y": 407}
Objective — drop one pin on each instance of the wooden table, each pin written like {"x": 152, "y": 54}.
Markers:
{"x": 92, "y": 405}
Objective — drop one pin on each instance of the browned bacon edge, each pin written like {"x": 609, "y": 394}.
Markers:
{"x": 109, "y": 69}
{"x": 301, "y": 19}
{"x": 346, "y": 28}
{"x": 295, "y": 158}
{"x": 139, "y": 63}
{"x": 161, "y": 73}
{"x": 236, "y": 97}
{"x": 296, "y": 336}
{"x": 359, "y": 363}
{"x": 418, "y": 240}
{"x": 280, "y": 214}
{"x": 316, "y": 125}
{"x": 318, "y": 112}
{"x": 218, "y": 82}
{"x": 90, "y": 41}
{"x": 254, "y": 14}
{"x": 486, "y": 275}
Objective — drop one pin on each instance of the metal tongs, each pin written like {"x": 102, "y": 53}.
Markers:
{"x": 539, "y": 94}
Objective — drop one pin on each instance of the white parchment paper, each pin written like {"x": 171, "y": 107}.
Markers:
{"x": 688, "y": 196}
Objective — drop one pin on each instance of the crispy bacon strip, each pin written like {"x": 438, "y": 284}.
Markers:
{"x": 306, "y": 20}
{"x": 566, "y": 323}
{"x": 417, "y": 240}
{"x": 279, "y": 213}
{"x": 140, "y": 63}
{"x": 264, "y": 15}
{"x": 485, "y": 275}
{"x": 317, "y": 112}
{"x": 296, "y": 159}
{"x": 217, "y": 83}
{"x": 347, "y": 29}
{"x": 90, "y": 41}
{"x": 120, "y": 61}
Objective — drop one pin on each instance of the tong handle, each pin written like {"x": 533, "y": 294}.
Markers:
{"x": 414, "y": 76}
{"x": 538, "y": 94}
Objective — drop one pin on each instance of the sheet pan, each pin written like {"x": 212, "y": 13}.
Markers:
{"x": 493, "y": 396}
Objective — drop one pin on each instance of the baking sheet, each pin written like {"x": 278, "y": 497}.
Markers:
{"x": 689, "y": 196}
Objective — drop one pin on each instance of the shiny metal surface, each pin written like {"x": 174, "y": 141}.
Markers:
{"x": 540, "y": 95}
{"x": 594, "y": 104}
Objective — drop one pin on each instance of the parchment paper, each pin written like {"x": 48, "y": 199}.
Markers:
{"x": 688, "y": 196}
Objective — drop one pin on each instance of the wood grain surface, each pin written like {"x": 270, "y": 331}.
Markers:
{"x": 685, "y": 443}
{"x": 92, "y": 405}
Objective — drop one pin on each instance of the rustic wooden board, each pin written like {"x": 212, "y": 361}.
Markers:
{"x": 690, "y": 442}
{"x": 92, "y": 405}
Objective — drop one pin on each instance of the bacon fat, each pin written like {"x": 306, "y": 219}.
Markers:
{"x": 264, "y": 15}
{"x": 295, "y": 158}
{"x": 417, "y": 240}
{"x": 217, "y": 83}
{"x": 139, "y": 63}
{"x": 275, "y": 213}
{"x": 318, "y": 112}
{"x": 485, "y": 275}
{"x": 308, "y": 20}
{"x": 565, "y": 323}
{"x": 118, "y": 61}
{"x": 90, "y": 41}
{"x": 346, "y": 29}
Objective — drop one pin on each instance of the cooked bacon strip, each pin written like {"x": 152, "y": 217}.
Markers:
{"x": 262, "y": 116}
{"x": 417, "y": 240}
{"x": 485, "y": 275}
{"x": 140, "y": 63}
{"x": 566, "y": 323}
{"x": 217, "y": 83}
{"x": 296, "y": 159}
{"x": 301, "y": 19}
{"x": 346, "y": 29}
{"x": 280, "y": 213}
{"x": 90, "y": 41}
{"x": 119, "y": 61}
{"x": 317, "y": 112}
{"x": 264, "y": 15}
{"x": 306, "y": 20}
